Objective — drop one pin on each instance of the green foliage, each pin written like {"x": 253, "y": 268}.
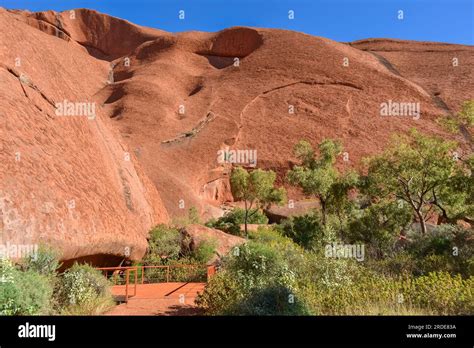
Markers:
{"x": 256, "y": 189}
{"x": 193, "y": 216}
{"x": 417, "y": 178}
{"x": 204, "y": 252}
{"x": 221, "y": 293}
{"x": 260, "y": 278}
{"x": 464, "y": 118}
{"x": 435, "y": 293}
{"x": 379, "y": 225}
{"x": 306, "y": 230}
{"x": 79, "y": 287}
{"x": 271, "y": 300}
{"x": 418, "y": 170}
{"x": 267, "y": 235}
{"x": 44, "y": 262}
{"x": 164, "y": 244}
{"x": 23, "y": 293}
{"x": 232, "y": 220}
{"x": 250, "y": 272}
{"x": 317, "y": 176}
{"x": 446, "y": 248}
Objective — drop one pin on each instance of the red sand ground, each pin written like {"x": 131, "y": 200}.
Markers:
{"x": 244, "y": 107}
{"x": 159, "y": 299}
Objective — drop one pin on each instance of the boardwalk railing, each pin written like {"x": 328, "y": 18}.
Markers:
{"x": 119, "y": 272}
{"x": 128, "y": 276}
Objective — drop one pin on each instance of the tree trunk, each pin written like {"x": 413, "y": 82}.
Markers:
{"x": 323, "y": 211}
{"x": 246, "y": 219}
{"x": 422, "y": 222}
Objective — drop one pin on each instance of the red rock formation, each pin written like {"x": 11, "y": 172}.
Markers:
{"x": 174, "y": 102}
{"x": 65, "y": 180}
{"x": 194, "y": 235}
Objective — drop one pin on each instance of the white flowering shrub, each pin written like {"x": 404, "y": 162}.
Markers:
{"x": 82, "y": 284}
{"x": 23, "y": 293}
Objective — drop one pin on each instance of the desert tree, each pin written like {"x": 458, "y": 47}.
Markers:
{"x": 420, "y": 171}
{"x": 256, "y": 189}
{"x": 317, "y": 175}
{"x": 463, "y": 122}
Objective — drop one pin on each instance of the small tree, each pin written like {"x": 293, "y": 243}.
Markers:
{"x": 317, "y": 175}
{"x": 463, "y": 123}
{"x": 419, "y": 170}
{"x": 256, "y": 189}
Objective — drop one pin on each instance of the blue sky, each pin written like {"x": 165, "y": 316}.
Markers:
{"x": 342, "y": 20}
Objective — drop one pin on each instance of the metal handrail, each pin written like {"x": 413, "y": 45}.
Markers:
{"x": 127, "y": 277}
{"x": 167, "y": 267}
{"x": 211, "y": 270}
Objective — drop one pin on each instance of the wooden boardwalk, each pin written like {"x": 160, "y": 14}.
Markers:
{"x": 158, "y": 299}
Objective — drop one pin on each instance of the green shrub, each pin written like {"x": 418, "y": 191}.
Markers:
{"x": 204, "y": 252}
{"x": 268, "y": 234}
{"x": 45, "y": 262}
{"x": 443, "y": 293}
{"x": 197, "y": 273}
{"x": 378, "y": 226}
{"x": 373, "y": 294}
{"x": 306, "y": 230}
{"x": 248, "y": 270}
{"x": 271, "y": 300}
{"x": 23, "y": 293}
{"x": 446, "y": 248}
{"x": 164, "y": 244}
{"x": 221, "y": 294}
{"x": 232, "y": 220}
{"x": 81, "y": 288}
{"x": 394, "y": 265}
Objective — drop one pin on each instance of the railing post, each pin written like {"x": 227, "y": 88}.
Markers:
{"x": 126, "y": 285}
{"x": 167, "y": 274}
{"x": 136, "y": 281}
{"x": 143, "y": 272}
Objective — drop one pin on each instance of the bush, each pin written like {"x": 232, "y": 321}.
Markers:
{"x": 306, "y": 230}
{"x": 23, "y": 293}
{"x": 372, "y": 294}
{"x": 164, "y": 244}
{"x": 204, "y": 252}
{"x": 232, "y": 220}
{"x": 45, "y": 262}
{"x": 268, "y": 235}
{"x": 446, "y": 248}
{"x": 83, "y": 290}
{"x": 248, "y": 272}
{"x": 271, "y": 300}
{"x": 221, "y": 294}
{"x": 378, "y": 226}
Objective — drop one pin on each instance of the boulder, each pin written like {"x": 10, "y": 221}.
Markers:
{"x": 195, "y": 234}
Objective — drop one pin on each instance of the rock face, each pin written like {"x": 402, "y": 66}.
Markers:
{"x": 65, "y": 181}
{"x": 196, "y": 234}
{"x": 166, "y": 104}
{"x": 276, "y": 214}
